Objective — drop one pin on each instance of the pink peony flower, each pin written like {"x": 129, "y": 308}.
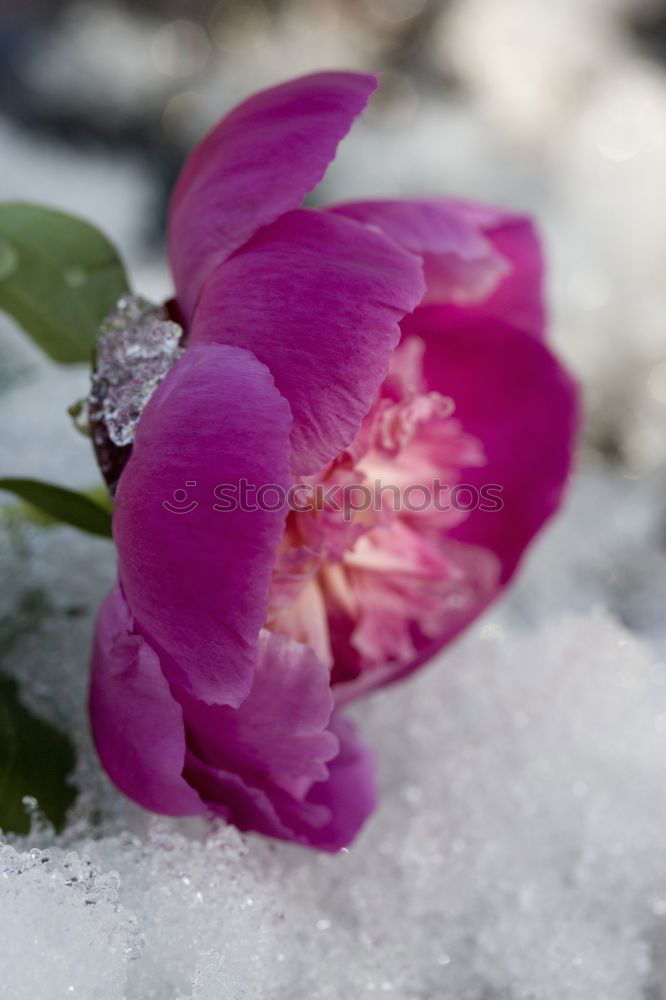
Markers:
{"x": 370, "y": 346}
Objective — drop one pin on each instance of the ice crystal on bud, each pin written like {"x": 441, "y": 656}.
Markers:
{"x": 137, "y": 346}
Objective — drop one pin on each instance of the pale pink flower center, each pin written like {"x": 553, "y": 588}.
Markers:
{"x": 363, "y": 587}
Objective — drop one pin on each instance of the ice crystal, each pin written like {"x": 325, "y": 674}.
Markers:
{"x": 137, "y": 346}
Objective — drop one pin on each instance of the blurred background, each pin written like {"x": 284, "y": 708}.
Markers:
{"x": 554, "y": 108}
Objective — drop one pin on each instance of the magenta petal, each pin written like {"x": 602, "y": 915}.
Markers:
{"x": 280, "y": 764}
{"x": 137, "y": 724}
{"x": 350, "y": 793}
{"x": 260, "y": 161}
{"x": 474, "y": 255}
{"x": 252, "y": 807}
{"x": 328, "y": 819}
{"x": 518, "y": 298}
{"x": 461, "y": 264}
{"x": 280, "y": 732}
{"x": 512, "y": 394}
{"x": 197, "y": 578}
{"x": 318, "y": 299}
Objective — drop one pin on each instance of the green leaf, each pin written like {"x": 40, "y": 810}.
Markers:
{"x": 35, "y": 760}
{"x": 100, "y": 496}
{"x": 62, "y": 504}
{"x": 59, "y": 278}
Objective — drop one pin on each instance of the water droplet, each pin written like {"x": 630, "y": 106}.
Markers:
{"x": 8, "y": 259}
{"x": 76, "y": 276}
